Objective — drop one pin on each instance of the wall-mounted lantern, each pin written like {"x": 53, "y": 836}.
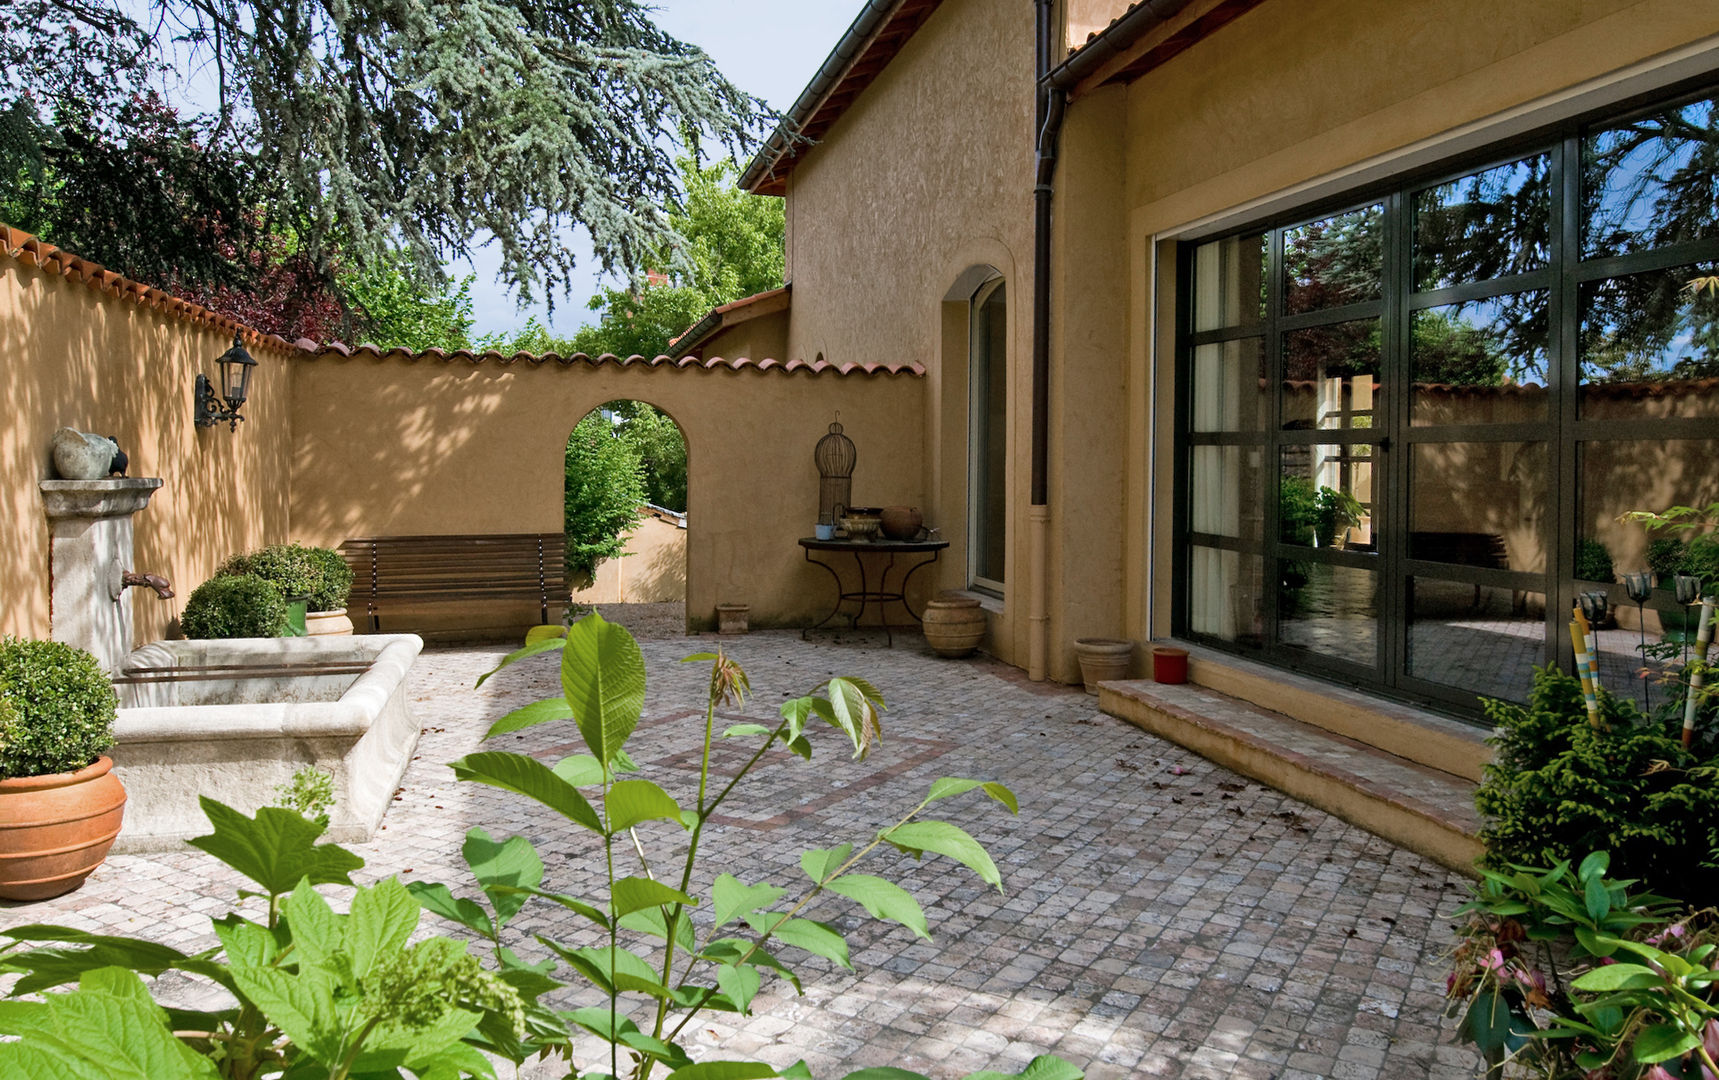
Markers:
{"x": 212, "y": 407}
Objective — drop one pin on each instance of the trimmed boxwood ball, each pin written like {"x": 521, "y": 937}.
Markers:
{"x": 318, "y": 573}
{"x": 56, "y": 708}
{"x": 336, "y": 580}
{"x": 234, "y": 607}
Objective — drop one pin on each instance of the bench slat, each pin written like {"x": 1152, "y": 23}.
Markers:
{"x": 390, "y": 571}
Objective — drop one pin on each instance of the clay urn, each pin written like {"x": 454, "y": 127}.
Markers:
{"x": 901, "y": 522}
{"x": 953, "y": 624}
{"x": 56, "y": 829}
{"x": 1102, "y": 659}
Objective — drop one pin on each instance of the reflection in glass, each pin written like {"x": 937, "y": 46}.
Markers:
{"x": 1230, "y": 387}
{"x": 1479, "y": 504}
{"x": 1650, "y": 344}
{"x": 1229, "y": 283}
{"x": 1226, "y": 594}
{"x": 1225, "y": 492}
{"x": 1330, "y": 375}
{"x": 1335, "y": 261}
{"x": 1651, "y": 182}
{"x": 1486, "y": 225}
{"x": 1615, "y": 477}
{"x": 1325, "y": 497}
{"x": 1331, "y": 610}
{"x": 1481, "y": 362}
{"x": 1475, "y": 637}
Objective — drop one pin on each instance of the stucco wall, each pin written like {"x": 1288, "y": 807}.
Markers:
{"x": 76, "y": 357}
{"x": 928, "y": 173}
{"x": 1286, "y": 101}
{"x": 652, "y": 571}
{"x": 396, "y": 446}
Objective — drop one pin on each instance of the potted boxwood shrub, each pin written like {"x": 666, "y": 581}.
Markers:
{"x": 234, "y": 607}
{"x": 328, "y": 600}
{"x": 316, "y": 577}
{"x": 59, "y": 800}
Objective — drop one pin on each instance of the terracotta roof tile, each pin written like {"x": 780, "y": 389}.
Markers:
{"x": 501, "y": 359}
{"x": 31, "y": 251}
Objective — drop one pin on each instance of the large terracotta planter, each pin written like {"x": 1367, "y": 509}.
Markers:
{"x": 55, "y": 829}
{"x": 953, "y": 625}
{"x": 328, "y": 623}
{"x": 1102, "y": 659}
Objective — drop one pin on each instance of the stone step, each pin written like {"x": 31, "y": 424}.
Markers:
{"x": 1424, "y": 809}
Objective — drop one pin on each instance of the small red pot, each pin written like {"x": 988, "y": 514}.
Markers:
{"x": 1169, "y": 664}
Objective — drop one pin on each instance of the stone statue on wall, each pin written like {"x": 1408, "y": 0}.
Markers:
{"x": 82, "y": 456}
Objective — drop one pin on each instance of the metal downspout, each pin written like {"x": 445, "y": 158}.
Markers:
{"x": 1050, "y": 113}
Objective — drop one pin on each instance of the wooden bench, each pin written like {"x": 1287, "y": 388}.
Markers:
{"x": 392, "y": 572}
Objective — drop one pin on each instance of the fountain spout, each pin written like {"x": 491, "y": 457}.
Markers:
{"x": 163, "y": 588}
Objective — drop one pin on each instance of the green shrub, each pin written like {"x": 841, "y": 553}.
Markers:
{"x": 334, "y": 582}
{"x": 1594, "y": 562}
{"x": 296, "y": 570}
{"x": 1665, "y": 559}
{"x": 1559, "y": 788}
{"x": 56, "y": 708}
{"x": 1701, "y": 559}
{"x": 234, "y": 607}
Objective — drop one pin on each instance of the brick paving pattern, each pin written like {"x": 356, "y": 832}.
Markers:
{"x": 1162, "y": 917}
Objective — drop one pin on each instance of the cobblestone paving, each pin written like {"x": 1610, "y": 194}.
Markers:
{"x": 1163, "y": 917}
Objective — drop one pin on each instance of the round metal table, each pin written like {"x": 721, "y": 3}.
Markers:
{"x": 865, "y": 594}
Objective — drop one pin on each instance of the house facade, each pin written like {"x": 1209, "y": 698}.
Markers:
{"x": 1358, "y": 325}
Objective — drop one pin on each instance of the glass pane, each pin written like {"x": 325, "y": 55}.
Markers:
{"x": 1479, "y": 504}
{"x": 1650, "y": 345}
{"x": 1226, "y": 492}
{"x": 1329, "y": 610}
{"x": 1330, "y": 374}
{"x": 1226, "y": 594}
{"x": 1614, "y": 478}
{"x": 1335, "y": 261}
{"x": 1651, "y": 182}
{"x": 1486, "y": 225}
{"x": 1325, "y": 498}
{"x": 1229, "y": 283}
{"x": 988, "y": 447}
{"x": 1481, "y": 362}
{"x": 1476, "y": 637}
{"x": 1230, "y": 386}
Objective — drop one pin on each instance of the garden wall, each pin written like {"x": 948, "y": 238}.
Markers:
{"x": 652, "y": 570}
{"x": 87, "y": 349}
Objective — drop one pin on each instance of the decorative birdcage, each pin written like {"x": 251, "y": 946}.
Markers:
{"x": 835, "y": 456}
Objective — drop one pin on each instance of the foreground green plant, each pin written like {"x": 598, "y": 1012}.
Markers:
{"x": 343, "y": 997}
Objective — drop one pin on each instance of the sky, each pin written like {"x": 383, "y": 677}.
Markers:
{"x": 769, "y": 48}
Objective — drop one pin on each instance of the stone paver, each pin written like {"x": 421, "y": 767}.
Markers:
{"x": 1162, "y": 917}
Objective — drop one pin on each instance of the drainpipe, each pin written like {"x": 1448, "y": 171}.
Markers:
{"x": 1050, "y": 112}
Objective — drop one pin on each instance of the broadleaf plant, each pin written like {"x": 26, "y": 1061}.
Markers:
{"x": 314, "y": 993}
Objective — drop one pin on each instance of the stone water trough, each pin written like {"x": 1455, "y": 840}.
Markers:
{"x": 234, "y": 719}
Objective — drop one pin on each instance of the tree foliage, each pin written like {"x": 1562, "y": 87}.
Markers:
{"x": 363, "y": 130}
{"x": 605, "y": 487}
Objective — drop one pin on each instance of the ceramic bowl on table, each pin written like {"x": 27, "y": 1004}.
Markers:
{"x": 861, "y": 526}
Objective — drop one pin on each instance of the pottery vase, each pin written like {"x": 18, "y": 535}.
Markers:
{"x": 1102, "y": 659}
{"x": 56, "y": 829}
{"x": 901, "y": 522}
{"x": 953, "y": 625}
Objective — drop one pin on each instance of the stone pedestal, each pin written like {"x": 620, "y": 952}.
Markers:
{"x": 90, "y": 547}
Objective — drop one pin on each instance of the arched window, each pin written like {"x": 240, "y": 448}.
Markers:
{"x": 987, "y": 435}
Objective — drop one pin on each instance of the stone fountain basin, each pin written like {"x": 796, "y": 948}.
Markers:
{"x": 236, "y": 739}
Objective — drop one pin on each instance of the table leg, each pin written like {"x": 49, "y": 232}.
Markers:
{"x": 838, "y": 605}
{"x": 918, "y": 616}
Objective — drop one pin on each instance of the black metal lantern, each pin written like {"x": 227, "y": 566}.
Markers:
{"x": 212, "y": 407}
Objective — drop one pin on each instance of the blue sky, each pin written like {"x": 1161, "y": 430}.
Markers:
{"x": 769, "y": 48}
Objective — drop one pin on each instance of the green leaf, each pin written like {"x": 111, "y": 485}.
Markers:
{"x": 1619, "y": 977}
{"x": 529, "y": 777}
{"x": 511, "y": 865}
{"x": 315, "y": 927}
{"x": 580, "y": 770}
{"x": 301, "y": 1005}
{"x": 438, "y": 899}
{"x": 732, "y": 899}
{"x": 943, "y": 838}
{"x": 381, "y": 922}
{"x": 45, "y": 968}
{"x": 952, "y": 785}
{"x": 603, "y": 675}
{"x": 820, "y": 863}
{"x": 650, "y": 921}
{"x": 730, "y": 951}
{"x": 1043, "y": 1067}
{"x": 544, "y": 633}
{"x": 632, "y": 894}
{"x": 571, "y": 903}
{"x": 632, "y": 801}
{"x": 740, "y": 983}
{"x": 246, "y": 943}
{"x": 538, "y": 712}
{"x": 817, "y": 938}
{"x": 108, "y": 1029}
{"x": 796, "y": 711}
{"x": 631, "y": 972}
{"x": 723, "y": 1070}
{"x": 741, "y": 730}
{"x": 1594, "y": 866}
{"x": 1597, "y": 898}
{"x": 884, "y": 1072}
{"x": 854, "y": 712}
{"x": 1663, "y": 1041}
{"x": 276, "y": 849}
{"x": 1491, "y": 1024}
{"x": 1595, "y": 943}
{"x": 884, "y": 899}
{"x": 536, "y": 648}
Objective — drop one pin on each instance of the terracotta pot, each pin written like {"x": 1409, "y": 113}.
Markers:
{"x": 901, "y": 522}
{"x": 330, "y": 623}
{"x": 953, "y": 625}
{"x": 55, "y": 829}
{"x": 1102, "y": 659}
{"x": 732, "y": 618}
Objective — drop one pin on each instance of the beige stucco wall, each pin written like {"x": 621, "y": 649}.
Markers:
{"x": 652, "y": 571}
{"x": 76, "y": 357}
{"x": 406, "y": 447}
{"x": 1286, "y": 101}
{"x": 762, "y": 338}
{"x": 927, "y": 174}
